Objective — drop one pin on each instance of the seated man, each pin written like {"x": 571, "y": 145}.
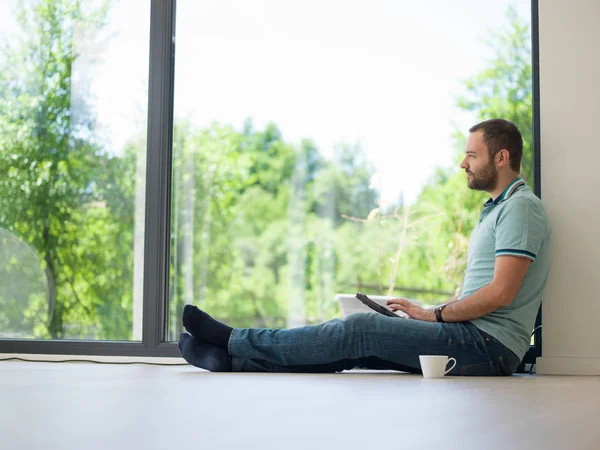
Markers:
{"x": 487, "y": 328}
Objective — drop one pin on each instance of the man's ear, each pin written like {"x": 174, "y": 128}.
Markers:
{"x": 502, "y": 158}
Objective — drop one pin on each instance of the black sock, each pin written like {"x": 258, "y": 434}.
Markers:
{"x": 204, "y": 328}
{"x": 204, "y": 355}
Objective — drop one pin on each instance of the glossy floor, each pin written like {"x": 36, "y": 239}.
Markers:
{"x": 95, "y": 406}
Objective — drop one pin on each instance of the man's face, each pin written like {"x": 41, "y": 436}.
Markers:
{"x": 482, "y": 174}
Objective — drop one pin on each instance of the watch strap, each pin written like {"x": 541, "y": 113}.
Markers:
{"x": 438, "y": 313}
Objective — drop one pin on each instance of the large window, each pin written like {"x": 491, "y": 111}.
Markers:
{"x": 73, "y": 111}
{"x": 316, "y": 149}
{"x": 254, "y": 157}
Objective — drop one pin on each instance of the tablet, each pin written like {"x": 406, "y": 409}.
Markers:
{"x": 376, "y": 306}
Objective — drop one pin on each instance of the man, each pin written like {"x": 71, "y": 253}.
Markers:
{"x": 487, "y": 328}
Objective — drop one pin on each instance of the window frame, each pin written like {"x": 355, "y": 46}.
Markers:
{"x": 157, "y": 213}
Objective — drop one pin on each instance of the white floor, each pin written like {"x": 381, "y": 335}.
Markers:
{"x": 92, "y": 406}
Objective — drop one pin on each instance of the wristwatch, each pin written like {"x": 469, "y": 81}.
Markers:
{"x": 438, "y": 313}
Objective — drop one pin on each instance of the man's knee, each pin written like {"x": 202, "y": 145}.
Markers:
{"x": 358, "y": 321}
{"x": 359, "y": 331}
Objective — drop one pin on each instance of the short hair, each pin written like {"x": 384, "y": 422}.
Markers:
{"x": 501, "y": 134}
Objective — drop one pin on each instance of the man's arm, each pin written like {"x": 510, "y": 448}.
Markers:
{"x": 452, "y": 300}
{"x": 509, "y": 273}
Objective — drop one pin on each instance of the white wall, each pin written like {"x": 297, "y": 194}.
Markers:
{"x": 570, "y": 164}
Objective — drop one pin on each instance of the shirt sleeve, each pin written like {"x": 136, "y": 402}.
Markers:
{"x": 520, "y": 229}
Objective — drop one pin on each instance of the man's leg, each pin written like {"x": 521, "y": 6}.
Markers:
{"x": 372, "y": 363}
{"x": 395, "y": 340}
{"x": 215, "y": 359}
{"x": 205, "y": 328}
{"x": 203, "y": 355}
{"x": 357, "y": 336}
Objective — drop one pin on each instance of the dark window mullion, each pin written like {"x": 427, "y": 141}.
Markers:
{"x": 158, "y": 172}
{"x": 537, "y": 167}
{"x": 536, "y": 349}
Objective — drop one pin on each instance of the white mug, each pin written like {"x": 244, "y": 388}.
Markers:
{"x": 434, "y": 366}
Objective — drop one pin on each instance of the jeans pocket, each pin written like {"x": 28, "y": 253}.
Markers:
{"x": 493, "y": 368}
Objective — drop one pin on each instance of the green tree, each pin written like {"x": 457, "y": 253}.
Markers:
{"x": 503, "y": 89}
{"x": 252, "y": 218}
{"x": 62, "y": 193}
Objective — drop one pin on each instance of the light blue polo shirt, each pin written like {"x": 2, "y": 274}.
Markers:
{"x": 513, "y": 224}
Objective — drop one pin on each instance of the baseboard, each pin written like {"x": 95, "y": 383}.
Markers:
{"x": 567, "y": 366}
{"x": 93, "y": 358}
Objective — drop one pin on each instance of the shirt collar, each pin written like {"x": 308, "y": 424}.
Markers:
{"x": 510, "y": 189}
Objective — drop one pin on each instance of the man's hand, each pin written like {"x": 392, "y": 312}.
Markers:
{"x": 411, "y": 310}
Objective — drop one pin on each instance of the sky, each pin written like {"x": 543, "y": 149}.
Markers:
{"x": 383, "y": 74}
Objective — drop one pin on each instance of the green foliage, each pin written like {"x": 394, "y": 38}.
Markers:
{"x": 62, "y": 193}
{"x": 504, "y": 89}
{"x": 254, "y": 240}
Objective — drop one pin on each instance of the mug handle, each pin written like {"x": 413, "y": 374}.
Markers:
{"x": 450, "y": 359}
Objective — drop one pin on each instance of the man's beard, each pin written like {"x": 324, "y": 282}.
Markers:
{"x": 485, "y": 180}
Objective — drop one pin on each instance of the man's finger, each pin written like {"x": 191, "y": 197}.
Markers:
{"x": 399, "y": 308}
{"x": 398, "y": 301}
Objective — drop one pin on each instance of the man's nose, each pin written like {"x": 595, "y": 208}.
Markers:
{"x": 463, "y": 164}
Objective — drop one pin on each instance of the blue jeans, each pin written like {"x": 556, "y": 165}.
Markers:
{"x": 371, "y": 341}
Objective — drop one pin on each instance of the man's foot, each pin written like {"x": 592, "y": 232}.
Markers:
{"x": 204, "y": 328}
{"x": 204, "y": 355}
